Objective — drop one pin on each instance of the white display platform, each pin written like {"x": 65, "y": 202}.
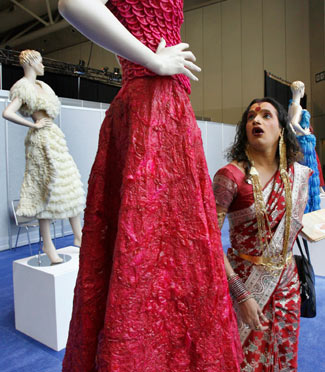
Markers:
{"x": 43, "y": 297}
{"x": 316, "y": 250}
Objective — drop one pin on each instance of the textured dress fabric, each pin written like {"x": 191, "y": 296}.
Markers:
{"x": 308, "y": 147}
{"x": 276, "y": 292}
{"x": 151, "y": 293}
{"x": 51, "y": 187}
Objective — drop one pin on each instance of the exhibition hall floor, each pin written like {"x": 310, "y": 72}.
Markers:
{"x": 21, "y": 353}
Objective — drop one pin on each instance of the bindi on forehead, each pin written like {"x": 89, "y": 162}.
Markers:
{"x": 257, "y": 108}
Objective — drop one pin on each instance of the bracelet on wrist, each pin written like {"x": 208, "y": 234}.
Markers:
{"x": 245, "y": 298}
{"x": 238, "y": 289}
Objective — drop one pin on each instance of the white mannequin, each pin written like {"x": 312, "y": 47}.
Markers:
{"x": 295, "y": 109}
{"x": 33, "y": 68}
{"x": 96, "y": 22}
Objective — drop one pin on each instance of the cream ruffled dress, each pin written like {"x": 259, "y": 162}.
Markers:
{"x": 51, "y": 188}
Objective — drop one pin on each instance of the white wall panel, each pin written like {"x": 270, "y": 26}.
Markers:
{"x": 81, "y": 128}
{"x": 217, "y": 137}
{"x": 203, "y": 127}
{"x": 213, "y": 153}
{"x": 228, "y": 136}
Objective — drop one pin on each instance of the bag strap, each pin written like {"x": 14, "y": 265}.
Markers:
{"x": 299, "y": 246}
{"x": 306, "y": 249}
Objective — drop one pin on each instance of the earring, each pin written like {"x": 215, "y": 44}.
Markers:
{"x": 282, "y": 151}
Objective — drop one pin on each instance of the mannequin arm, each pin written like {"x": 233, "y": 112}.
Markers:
{"x": 93, "y": 19}
{"x": 10, "y": 113}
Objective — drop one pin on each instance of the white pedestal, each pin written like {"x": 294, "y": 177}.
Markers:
{"x": 43, "y": 298}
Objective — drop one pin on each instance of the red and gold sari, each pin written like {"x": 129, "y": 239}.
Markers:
{"x": 275, "y": 290}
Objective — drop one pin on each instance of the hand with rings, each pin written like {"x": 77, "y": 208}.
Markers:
{"x": 252, "y": 315}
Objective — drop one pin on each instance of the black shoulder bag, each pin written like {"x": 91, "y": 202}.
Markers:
{"x": 307, "y": 282}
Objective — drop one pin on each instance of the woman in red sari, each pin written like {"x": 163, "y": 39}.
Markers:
{"x": 264, "y": 192}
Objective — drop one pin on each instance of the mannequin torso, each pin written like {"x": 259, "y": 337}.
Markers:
{"x": 149, "y": 171}
{"x": 37, "y": 99}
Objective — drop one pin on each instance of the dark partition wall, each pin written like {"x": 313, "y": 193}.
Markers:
{"x": 91, "y": 90}
{"x": 63, "y": 85}
{"x": 10, "y": 74}
{"x": 273, "y": 87}
{"x": 67, "y": 86}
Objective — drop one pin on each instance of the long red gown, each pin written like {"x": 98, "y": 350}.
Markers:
{"x": 151, "y": 293}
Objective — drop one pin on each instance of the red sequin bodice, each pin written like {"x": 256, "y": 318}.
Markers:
{"x": 149, "y": 21}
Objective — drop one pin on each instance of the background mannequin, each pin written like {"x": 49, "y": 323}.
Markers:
{"x": 151, "y": 258}
{"x": 300, "y": 122}
{"x": 51, "y": 188}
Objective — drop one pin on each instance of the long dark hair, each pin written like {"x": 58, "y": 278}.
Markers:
{"x": 237, "y": 150}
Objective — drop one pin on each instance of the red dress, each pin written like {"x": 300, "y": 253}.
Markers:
{"x": 151, "y": 293}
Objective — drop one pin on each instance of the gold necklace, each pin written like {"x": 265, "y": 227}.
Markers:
{"x": 261, "y": 213}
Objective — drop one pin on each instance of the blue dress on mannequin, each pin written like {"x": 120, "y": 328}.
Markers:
{"x": 307, "y": 144}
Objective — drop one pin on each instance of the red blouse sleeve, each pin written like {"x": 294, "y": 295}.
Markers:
{"x": 320, "y": 171}
{"x": 224, "y": 187}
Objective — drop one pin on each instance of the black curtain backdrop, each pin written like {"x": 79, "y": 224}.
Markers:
{"x": 279, "y": 90}
{"x": 65, "y": 85}
{"x": 10, "y": 74}
{"x": 91, "y": 90}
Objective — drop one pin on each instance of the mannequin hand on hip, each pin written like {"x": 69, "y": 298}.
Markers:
{"x": 41, "y": 123}
{"x": 174, "y": 60}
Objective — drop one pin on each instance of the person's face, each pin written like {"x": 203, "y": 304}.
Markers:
{"x": 302, "y": 92}
{"x": 262, "y": 126}
{"x": 38, "y": 66}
